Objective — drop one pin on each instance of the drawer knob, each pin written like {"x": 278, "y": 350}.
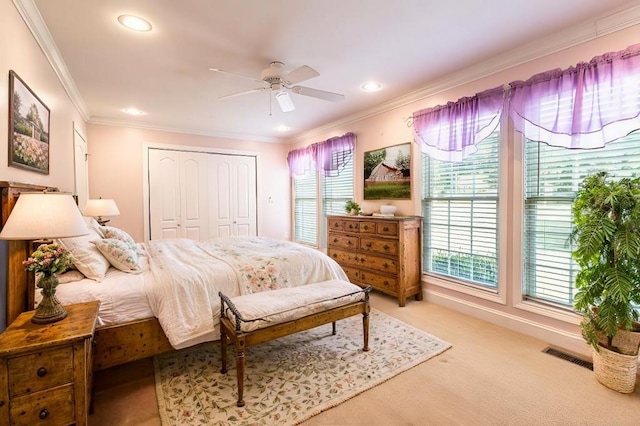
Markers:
{"x": 43, "y": 414}
{"x": 348, "y": 242}
{"x": 386, "y": 247}
{"x": 366, "y": 227}
{"x": 386, "y": 282}
{"x": 369, "y": 245}
{"x": 385, "y": 229}
{"x": 335, "y": 240}
{"x": 41, "y": 372}
{"x": 385, "y": 265}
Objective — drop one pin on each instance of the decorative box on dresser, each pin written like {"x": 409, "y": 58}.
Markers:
{"x": 383, "y": 252}
{"x": 45, "y": 369}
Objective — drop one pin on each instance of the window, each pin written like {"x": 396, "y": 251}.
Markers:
{"x": 460, "y": 209}
{"x": 552, "y": 176}
{"x": 305, "y": 195}
{"x": 336, "y": 190}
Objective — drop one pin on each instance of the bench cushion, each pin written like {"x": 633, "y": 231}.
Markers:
{"x": 266, "y": 308}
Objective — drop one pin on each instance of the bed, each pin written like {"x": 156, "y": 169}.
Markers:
{"x": 168, "y": 298}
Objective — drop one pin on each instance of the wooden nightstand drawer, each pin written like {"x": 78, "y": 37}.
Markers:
{"x": 40, "y": 370}
{"x": 52, "y": 407}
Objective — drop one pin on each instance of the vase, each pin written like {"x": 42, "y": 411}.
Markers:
{"x": 49, "y": 309}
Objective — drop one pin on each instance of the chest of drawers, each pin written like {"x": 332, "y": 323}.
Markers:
{"x": 45, "y": 369}
{"x": 385, "y": 253}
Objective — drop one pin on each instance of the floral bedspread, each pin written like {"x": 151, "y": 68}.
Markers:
{"x": 187, "y": 275}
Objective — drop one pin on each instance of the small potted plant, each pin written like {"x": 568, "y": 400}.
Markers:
{"x": 606, "y": 218}
{"x": 352, "y": 208}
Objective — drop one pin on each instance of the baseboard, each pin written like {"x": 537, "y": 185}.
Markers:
{"x": 551, "y": 335}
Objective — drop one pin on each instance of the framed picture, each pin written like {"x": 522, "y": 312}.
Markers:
{"x": 28, "y": 128}
{"x": 387, "y": 173}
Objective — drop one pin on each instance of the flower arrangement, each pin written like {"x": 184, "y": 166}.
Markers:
{"x": 48, "y": 259}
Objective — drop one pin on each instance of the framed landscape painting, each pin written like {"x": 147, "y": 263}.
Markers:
{"x": 28, "y": 128}
{"x": 387, "y": 173}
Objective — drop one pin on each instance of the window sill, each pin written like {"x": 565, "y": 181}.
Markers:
{"x": 464, "y": 287}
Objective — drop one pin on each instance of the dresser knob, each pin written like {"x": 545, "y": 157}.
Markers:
{"x": 43, "y": 414}
{"x": 366, "y": 227}
{"x": 385, "y": 229}
{"x": 369, "y": 245}
{"x": 386, "y": 265}
{"x": 386, "y": 247}
{"x": 335, "y": 240}
{"x": 41, "y": 372}
{"x": 349, "y": 242}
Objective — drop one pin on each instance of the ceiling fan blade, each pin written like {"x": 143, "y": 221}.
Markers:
{"x": 218, "y": 70}
{"x": 246, "y": 92}
{"x": 300, "y": 74}
{"x": 316, "y": 93}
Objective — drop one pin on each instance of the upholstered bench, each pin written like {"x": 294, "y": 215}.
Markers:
{"x": 259, "y": 317}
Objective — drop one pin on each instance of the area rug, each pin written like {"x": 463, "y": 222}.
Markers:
{"x": 291, "y": 379}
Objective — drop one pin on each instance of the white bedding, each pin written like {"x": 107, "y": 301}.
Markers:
{"x": 180, "y": 281}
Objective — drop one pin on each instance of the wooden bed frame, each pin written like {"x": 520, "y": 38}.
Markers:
{"x": 114, "y": 344}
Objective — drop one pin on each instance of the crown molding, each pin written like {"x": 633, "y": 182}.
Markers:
{"x": 33, "y": 19}
{"x": 556, "y": 42}
{"x": 105, "y": 121}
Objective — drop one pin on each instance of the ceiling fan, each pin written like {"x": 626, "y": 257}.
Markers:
{"x": 280, "y": 83}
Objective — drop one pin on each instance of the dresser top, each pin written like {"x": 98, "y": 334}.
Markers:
{"x": 23, "y": 335}
{"x": 369, "y": 217}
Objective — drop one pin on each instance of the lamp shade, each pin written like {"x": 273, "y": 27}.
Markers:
{"x": 44, "y": 215}
{"x": 101, "y": 207}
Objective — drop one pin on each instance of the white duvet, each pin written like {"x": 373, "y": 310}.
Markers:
{"x": 181, "y": 280}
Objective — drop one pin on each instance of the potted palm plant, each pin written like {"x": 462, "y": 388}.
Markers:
{"x": 606, "y": 218}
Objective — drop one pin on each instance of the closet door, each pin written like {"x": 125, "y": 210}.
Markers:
{"x": 232, "y": 196}
{"x": 177, "y": 194}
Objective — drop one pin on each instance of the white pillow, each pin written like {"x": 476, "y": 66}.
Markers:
{"x": 93, "y": 224}
{"x": 70, "y": 276}
{"x": 118, "y": 234}
{"x": 85, "y": 256}
{"x": 120, "y": 254}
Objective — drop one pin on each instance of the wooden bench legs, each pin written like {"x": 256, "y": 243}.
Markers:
{"x": 243, "y": 340}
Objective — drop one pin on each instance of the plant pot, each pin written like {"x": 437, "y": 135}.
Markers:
{"x": 615, "y": 371}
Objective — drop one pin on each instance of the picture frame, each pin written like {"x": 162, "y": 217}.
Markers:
{"x": 387, "y": 173}
{"x": 29, "y": 123}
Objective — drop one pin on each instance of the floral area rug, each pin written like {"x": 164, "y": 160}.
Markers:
{"x": 291, "y": 379}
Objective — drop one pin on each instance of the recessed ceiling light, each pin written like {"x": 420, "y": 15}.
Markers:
{"x": 134, "y": 23}
{"x": 371, "y": 86}
{"x": 133, "y": 111}
{"x": 283, "y": 128}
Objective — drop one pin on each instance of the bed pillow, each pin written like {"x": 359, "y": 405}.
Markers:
{"x": 118, "y": 234}
{"x": 85, "y": 256}
{"x": 93, "y": 224}
{"x": 119, "y": 254}
{"x": 70, "y": 276}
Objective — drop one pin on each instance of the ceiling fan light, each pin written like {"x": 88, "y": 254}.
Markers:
{"x": 284, "y": 100}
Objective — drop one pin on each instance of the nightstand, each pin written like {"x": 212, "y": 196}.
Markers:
{"x": 45, "y": 369}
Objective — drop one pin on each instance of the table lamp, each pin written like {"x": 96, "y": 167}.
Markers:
{"x": 99, "y": 207}
{"x": 43, "y": 216}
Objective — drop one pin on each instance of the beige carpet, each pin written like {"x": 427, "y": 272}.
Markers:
{"x": 291, "y": 379}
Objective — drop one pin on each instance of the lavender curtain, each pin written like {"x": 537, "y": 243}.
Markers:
{"x": 300, "y": 161}
{"x": 585, "y": 106}
{"x": 333, "y": 154}
{"x": 330, "y": 156}
{"x": 451, "y": 132}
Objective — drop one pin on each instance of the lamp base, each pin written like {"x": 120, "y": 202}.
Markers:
{"x": 49, "y": 309}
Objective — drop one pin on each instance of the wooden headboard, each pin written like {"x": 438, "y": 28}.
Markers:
{"x": 19, "y": 283}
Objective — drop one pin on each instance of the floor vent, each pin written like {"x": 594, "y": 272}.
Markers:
{"x": 567, "y": 357}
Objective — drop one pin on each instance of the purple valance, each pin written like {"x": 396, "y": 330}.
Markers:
{"x": 451, "y": 132}
{"x": 584, "y": 106}
{"x": 330, "y": 156}
{"x": 333, "y": 154}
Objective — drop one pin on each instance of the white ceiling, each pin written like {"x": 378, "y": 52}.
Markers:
{"x": 404, "y": 44}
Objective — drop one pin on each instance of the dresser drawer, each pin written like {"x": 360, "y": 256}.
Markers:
{"x": 378, "y": 281}
{"x": 367, "y": 227}
{"x": 40, "y": 370}
{"x": 387, "y": 228}
{"x": 52, "y": 407}
{"x": 377, "y": 263}
{"x": 372, "y": 245}
{"x": 348, "y": 242}
{"x": 335, "y": 224}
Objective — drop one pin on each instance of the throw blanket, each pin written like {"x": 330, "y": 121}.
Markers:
{"x": 187, "y": 275}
